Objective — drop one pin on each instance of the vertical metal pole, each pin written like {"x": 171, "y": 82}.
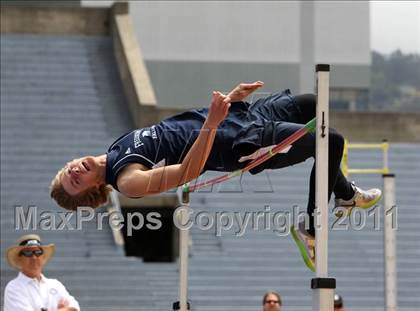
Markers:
{"x": 321, "y": 181}
{"x": 390, "y": 258}
{"x": 385, "y": 156}
{"x": 323, "y": 287}
{"x": 183, "y": 304}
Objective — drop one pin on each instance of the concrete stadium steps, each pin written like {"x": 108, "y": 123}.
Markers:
{"x": 61, "y": 96}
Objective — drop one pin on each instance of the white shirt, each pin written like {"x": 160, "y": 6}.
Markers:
{"x": 26, "y": 294}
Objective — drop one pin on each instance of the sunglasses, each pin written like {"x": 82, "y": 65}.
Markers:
{"x": 30, "y": 253}
{"x": 271, "y": 301}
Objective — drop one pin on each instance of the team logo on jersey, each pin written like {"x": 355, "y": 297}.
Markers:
{"x": 149, "y": 132}
{"x": 137, "y": 141}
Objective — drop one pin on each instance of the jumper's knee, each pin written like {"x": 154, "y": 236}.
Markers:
{"x": 308, "y": 99}
{"x": 311, "y": 98}
{"x": 306, "y": 104}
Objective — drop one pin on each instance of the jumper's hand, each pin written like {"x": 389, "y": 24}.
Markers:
{"x": 243, "y": 90}
{"x": 218, "y": 111}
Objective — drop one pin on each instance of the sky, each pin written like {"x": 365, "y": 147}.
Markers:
{"x": 395, "y": 24}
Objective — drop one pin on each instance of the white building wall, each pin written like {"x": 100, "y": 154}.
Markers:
{"x": 246, "y": 31}
{"x": 216, "y": 44}
{"x": 254, "y": 31}
{"x": 342, "y": 31}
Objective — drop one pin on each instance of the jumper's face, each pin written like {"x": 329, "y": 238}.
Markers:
{"x": 31, "y": 260}
{"x": 271, "y": 303}
{"x": 80, "y": 175}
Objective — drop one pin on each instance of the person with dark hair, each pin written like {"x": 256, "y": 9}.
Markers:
{"x": 271, "y": 301}
{"x": 225, "y": 137}
{"x": 338, "y": 303}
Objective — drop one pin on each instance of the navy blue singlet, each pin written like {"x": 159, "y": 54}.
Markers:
{"x": 169, "y": 141}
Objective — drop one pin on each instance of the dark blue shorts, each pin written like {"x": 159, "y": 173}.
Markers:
{"x": 274, "y": 118}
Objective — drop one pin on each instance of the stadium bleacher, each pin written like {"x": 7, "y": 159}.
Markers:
{"x": 61, "y": 97}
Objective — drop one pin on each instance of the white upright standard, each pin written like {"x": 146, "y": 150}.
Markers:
{"x": 184, "y": 198}
{"x": 390, "y": 226}
{"x": 322, "y": 286}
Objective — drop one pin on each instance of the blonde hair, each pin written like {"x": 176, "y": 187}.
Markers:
{"x": 92, "y": 197}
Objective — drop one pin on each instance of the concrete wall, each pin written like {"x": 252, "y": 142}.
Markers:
{"x": 252, "y": 31}
{"x": 54, "y": 20}
{"x": 342, "y": 31}
{"x": 374, "y": 126}
{"x": 133, "y": 72}
{"x": 189, "y": 84}
{"x": 337, "y": 33}
{"x": 216, "y": 44}
{"x": 216, "y": 31}
{"x": 42, "y": 3}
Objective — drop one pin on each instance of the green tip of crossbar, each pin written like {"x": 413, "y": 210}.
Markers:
{"x": 311, "y": 125}
{"x": 186, "y": 187}
{"x": 186, "y": 193}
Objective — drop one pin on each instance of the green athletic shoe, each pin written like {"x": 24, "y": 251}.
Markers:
{"x": 306, "y": 245}
{"x": 362, "y": 199}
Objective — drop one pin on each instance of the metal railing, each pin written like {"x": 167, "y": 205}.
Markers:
{"x": 345, "y": 162}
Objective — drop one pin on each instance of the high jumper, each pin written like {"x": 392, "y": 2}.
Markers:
{"x": 224, "y": 137}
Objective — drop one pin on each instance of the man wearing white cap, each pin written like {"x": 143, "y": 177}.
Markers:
{"x": 31, "y": 290}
